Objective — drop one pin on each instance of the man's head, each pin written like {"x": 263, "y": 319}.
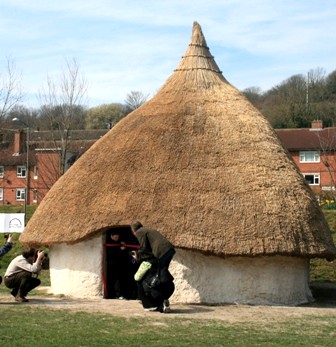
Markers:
{"x": 135, "y": 226}
{"x": 115, "y": 235}
{"x": 29, "y": 254}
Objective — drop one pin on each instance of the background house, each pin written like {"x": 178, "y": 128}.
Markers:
{"x": 43, "y": 159}
{"x": 314, "y": 152}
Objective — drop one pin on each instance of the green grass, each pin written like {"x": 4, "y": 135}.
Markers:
{"x": 29, "y": 325}
{"x": 322, "y": 270}
{"x": 18, "y": 209}
{"x": 46, "y": 327}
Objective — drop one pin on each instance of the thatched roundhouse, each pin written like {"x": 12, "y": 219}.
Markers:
{"x": 199, "y": 163}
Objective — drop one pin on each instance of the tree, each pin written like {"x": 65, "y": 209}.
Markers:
{"x": 285, "y": 104}
{"x": 135, "y": 99}
{"x": 10, "y": 89}
{"x": 105, "y": 116}
{"x": 254, "y": 94}
{"x": 330, "y": 86}
{"x": 62, "y": 103}
{"x": 25, "y": 114}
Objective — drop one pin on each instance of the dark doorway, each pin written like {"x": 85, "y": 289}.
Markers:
{"x": 119, "y": 265}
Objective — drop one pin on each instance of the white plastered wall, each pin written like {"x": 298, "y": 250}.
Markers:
{"x": 76, "y": 270}
{"x": 274, "y": 280}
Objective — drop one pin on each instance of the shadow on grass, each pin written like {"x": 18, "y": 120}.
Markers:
{"x": 324, "y": 294}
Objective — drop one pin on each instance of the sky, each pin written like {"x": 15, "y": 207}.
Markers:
{"x": 124, "y": 46}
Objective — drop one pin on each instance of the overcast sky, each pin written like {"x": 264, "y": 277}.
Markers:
{"x": 135, "y": 45}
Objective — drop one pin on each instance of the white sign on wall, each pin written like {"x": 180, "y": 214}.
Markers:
{"x": 11, "y": 222}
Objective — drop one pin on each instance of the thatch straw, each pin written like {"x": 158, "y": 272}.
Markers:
{"x": 199, "y": 163}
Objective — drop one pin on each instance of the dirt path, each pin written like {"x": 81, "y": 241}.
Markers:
{"x": 325, "y": 305}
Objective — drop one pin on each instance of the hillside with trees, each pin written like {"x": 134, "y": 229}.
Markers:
{"x": 298, "y": 100}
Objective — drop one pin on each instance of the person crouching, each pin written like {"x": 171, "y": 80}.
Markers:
{"x": 20, "y": 271}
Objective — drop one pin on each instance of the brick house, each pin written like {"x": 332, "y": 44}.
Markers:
{"x": 313, "y": 151}
{"x": 43, "y": 161}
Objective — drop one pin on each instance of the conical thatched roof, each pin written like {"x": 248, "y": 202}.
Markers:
{"x": 199, "y": 163}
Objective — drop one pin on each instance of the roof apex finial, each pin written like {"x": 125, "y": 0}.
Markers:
{"x": 197, "y": 37}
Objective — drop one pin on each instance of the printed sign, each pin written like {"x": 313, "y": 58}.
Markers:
{"x": 11, "y": 222}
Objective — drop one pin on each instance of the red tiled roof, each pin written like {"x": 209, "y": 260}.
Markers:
{"x": 7, "y": 157}
{"x": 307, "y": 138}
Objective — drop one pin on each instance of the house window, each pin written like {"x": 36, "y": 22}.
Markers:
{"x": 21, "y": 171}
{"x": 309, "y": 157}
{"x": 20, "y": 194}
{"x": 312, "y": 179}
{"x": 35, "y": 172}
{"x": 2, "y": 170}
{"x": 1, "y": 194}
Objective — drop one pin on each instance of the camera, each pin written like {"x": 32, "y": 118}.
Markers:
{"x": 45, "y": 259}
{"x": 6, "y": 236}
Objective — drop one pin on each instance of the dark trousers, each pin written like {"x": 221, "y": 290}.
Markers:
{"x": 21, "y": 283}
{"x": 165, "y": 260}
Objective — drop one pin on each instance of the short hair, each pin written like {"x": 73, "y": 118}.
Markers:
{"x": 135, "y": 226}
{"x": 29, "y": 253}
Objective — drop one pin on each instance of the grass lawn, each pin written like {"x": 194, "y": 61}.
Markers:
{"x": 23, "y": 325}
{"x": 28, "y": 325}
{"x": 322, "y": 270}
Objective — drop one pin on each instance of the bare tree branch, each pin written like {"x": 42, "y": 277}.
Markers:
{"x": 10, "y": 89}
{"x": 135, "y": 99}
{"x": 62, "y": 100}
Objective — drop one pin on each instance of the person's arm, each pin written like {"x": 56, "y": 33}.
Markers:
{"x": 33, "y": 268}
{"x": 7, "y": 246}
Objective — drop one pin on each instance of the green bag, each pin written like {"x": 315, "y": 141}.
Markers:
{"x": 143, "y": 268}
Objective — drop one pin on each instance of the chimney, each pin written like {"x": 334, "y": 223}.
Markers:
{"x": 19, "y": 141}
{"x": 317, "y": 124}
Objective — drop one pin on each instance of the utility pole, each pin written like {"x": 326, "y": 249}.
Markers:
{"x": 26, "y": 197}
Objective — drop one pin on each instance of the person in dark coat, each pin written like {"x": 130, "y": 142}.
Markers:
{"x": 154, "y": 244}
{"x": 118, "y": 258}
{"x": 6, "y": 248}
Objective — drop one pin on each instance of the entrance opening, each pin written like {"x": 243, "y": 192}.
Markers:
{"x": 119, "y": 265}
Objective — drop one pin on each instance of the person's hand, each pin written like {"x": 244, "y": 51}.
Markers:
{"x": 40, "y": 256}
{"x": 10, "y": 238}
{"x": 134, "y": 255}
{"x": 122, "y": 246}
